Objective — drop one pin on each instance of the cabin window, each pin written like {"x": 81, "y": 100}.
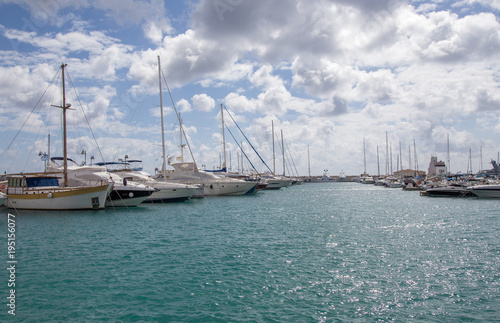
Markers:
{"x": 17, "y": 182}
{"x": 41, "y": 181}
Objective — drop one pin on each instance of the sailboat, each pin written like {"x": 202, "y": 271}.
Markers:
{"x": 276, "y": 182}
{"x": 213, "y": 184}
{"x": 166, "y": 191}
{"x": 43, "y": 191}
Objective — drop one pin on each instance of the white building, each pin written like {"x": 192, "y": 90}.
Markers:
{"x": 436, "y": 168}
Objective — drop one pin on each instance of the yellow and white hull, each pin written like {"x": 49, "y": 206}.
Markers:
{"x": 75, "y": 198}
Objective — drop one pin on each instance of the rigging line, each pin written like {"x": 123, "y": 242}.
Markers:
{"x": 247, "y": 140}
{"x": 241, "y": 149}
{"x": 85, "y": 116}
{"x": 33, "y": 110}
{"x": 177, "y": 115}
{"x": 290, "y": 155}
{"x": 33, "y": 146}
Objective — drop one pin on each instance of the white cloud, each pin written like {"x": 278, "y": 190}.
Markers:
{"x": 203, "y": 102}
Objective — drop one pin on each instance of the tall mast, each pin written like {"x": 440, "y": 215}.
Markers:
{"x": 415, "y": 157}
{"x": 180, "y": 132}
{"x": 390, "y": 158}
{"x": 481, "y": 158}
{"x": 378, "y": 164}
{"x": 274, "y": 161}
{"x": 163, "y": 166}
{"x": 65, "y": 106}
{"x": 400, "y": 157}
{"x": 364, "y": 156}
{"x": 448, "y": 147}
{"x": 409, "y": 157}
{"x": 308, "y": 162}
{"x": 223, "y": 137}
{"x": 65, "y": 147}
{"x": 386, "y": 154}
{"x": 283, "y": 150}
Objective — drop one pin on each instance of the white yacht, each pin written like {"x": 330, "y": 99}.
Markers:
{"x": 213, "y": 185}
{"x": 368, "y": 180}
{"x": 125, "y": 193}
{"x": 486, "y": 190}
{"x": 275, "y": 182}
{"x": 165, "y": 191}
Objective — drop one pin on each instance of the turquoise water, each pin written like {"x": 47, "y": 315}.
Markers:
{"x": 321, "y": 252}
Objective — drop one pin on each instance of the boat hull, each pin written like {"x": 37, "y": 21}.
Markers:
{"x": 276, "y": 184}
{"x": 167, "y": 194}
{"x": 81, "y": 198}
{"x": 228, "y": 188}
{"x": 486, "y": 191}
{"x": 127, "y": 197}
{"x": 448, "y": 192}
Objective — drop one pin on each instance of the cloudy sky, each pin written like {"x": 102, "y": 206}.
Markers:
{"x": 330, "y": 74}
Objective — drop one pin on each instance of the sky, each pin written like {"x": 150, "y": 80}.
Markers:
{"x": 353, "y": 86}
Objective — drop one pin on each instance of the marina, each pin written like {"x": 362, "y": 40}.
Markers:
{"x": 318, "y": 252}
{"x": 235, "y": 161}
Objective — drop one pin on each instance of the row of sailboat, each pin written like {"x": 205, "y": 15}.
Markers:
{"x": 65, "y": 185}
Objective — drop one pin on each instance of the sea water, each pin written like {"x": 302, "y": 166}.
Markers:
{"x": 320, "y": 252}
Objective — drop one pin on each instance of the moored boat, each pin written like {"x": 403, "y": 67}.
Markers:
{"x": 213, "y": 185}
{"x": 165, "y": 191}
{"x": 125, "y": 193}
{"x": 42, "y": 192}
{"x": 452, "y": 190}
{"x": 486, "y": 190}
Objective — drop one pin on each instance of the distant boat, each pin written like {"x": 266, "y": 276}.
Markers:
{"x": 368, "y": 180}
{"x": 486, "y": 191}
{"x": 275, "y": 182}
{"x": 395, "y": 184}
{"x": 342, "y": 177}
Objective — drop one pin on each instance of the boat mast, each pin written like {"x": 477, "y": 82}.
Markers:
{"x": 65, "y": 106}
{"x": 400, "y": 157}
{"x": 223, "y": 137}
{"x": 283, "y": 151}
{"x": 163, "y": 166}
{"x": 386, "y": 155}
{"x": 180, "y": 132}
{"x": 274, "y": 160}
{"x": 378, "y": 164}
{"x": 448, "y": 147}
{"x": 364, "y": 156}
{"x": 308, "y": 162}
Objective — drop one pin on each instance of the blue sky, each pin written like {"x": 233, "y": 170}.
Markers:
{"x": 327, "y": 72}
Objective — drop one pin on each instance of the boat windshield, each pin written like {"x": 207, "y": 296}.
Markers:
{"x": 41, "y": 181}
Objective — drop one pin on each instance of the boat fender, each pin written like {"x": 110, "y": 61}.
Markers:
{"x": 2, "y": 188}
{"x": 49, "y": 195}
{"x": 131, "y": 194}
{"x": 211, "y": 187}
{"x": 124, "y": 182}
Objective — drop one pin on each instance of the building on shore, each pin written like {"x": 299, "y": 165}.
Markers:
{"x": 436, "y": 168}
